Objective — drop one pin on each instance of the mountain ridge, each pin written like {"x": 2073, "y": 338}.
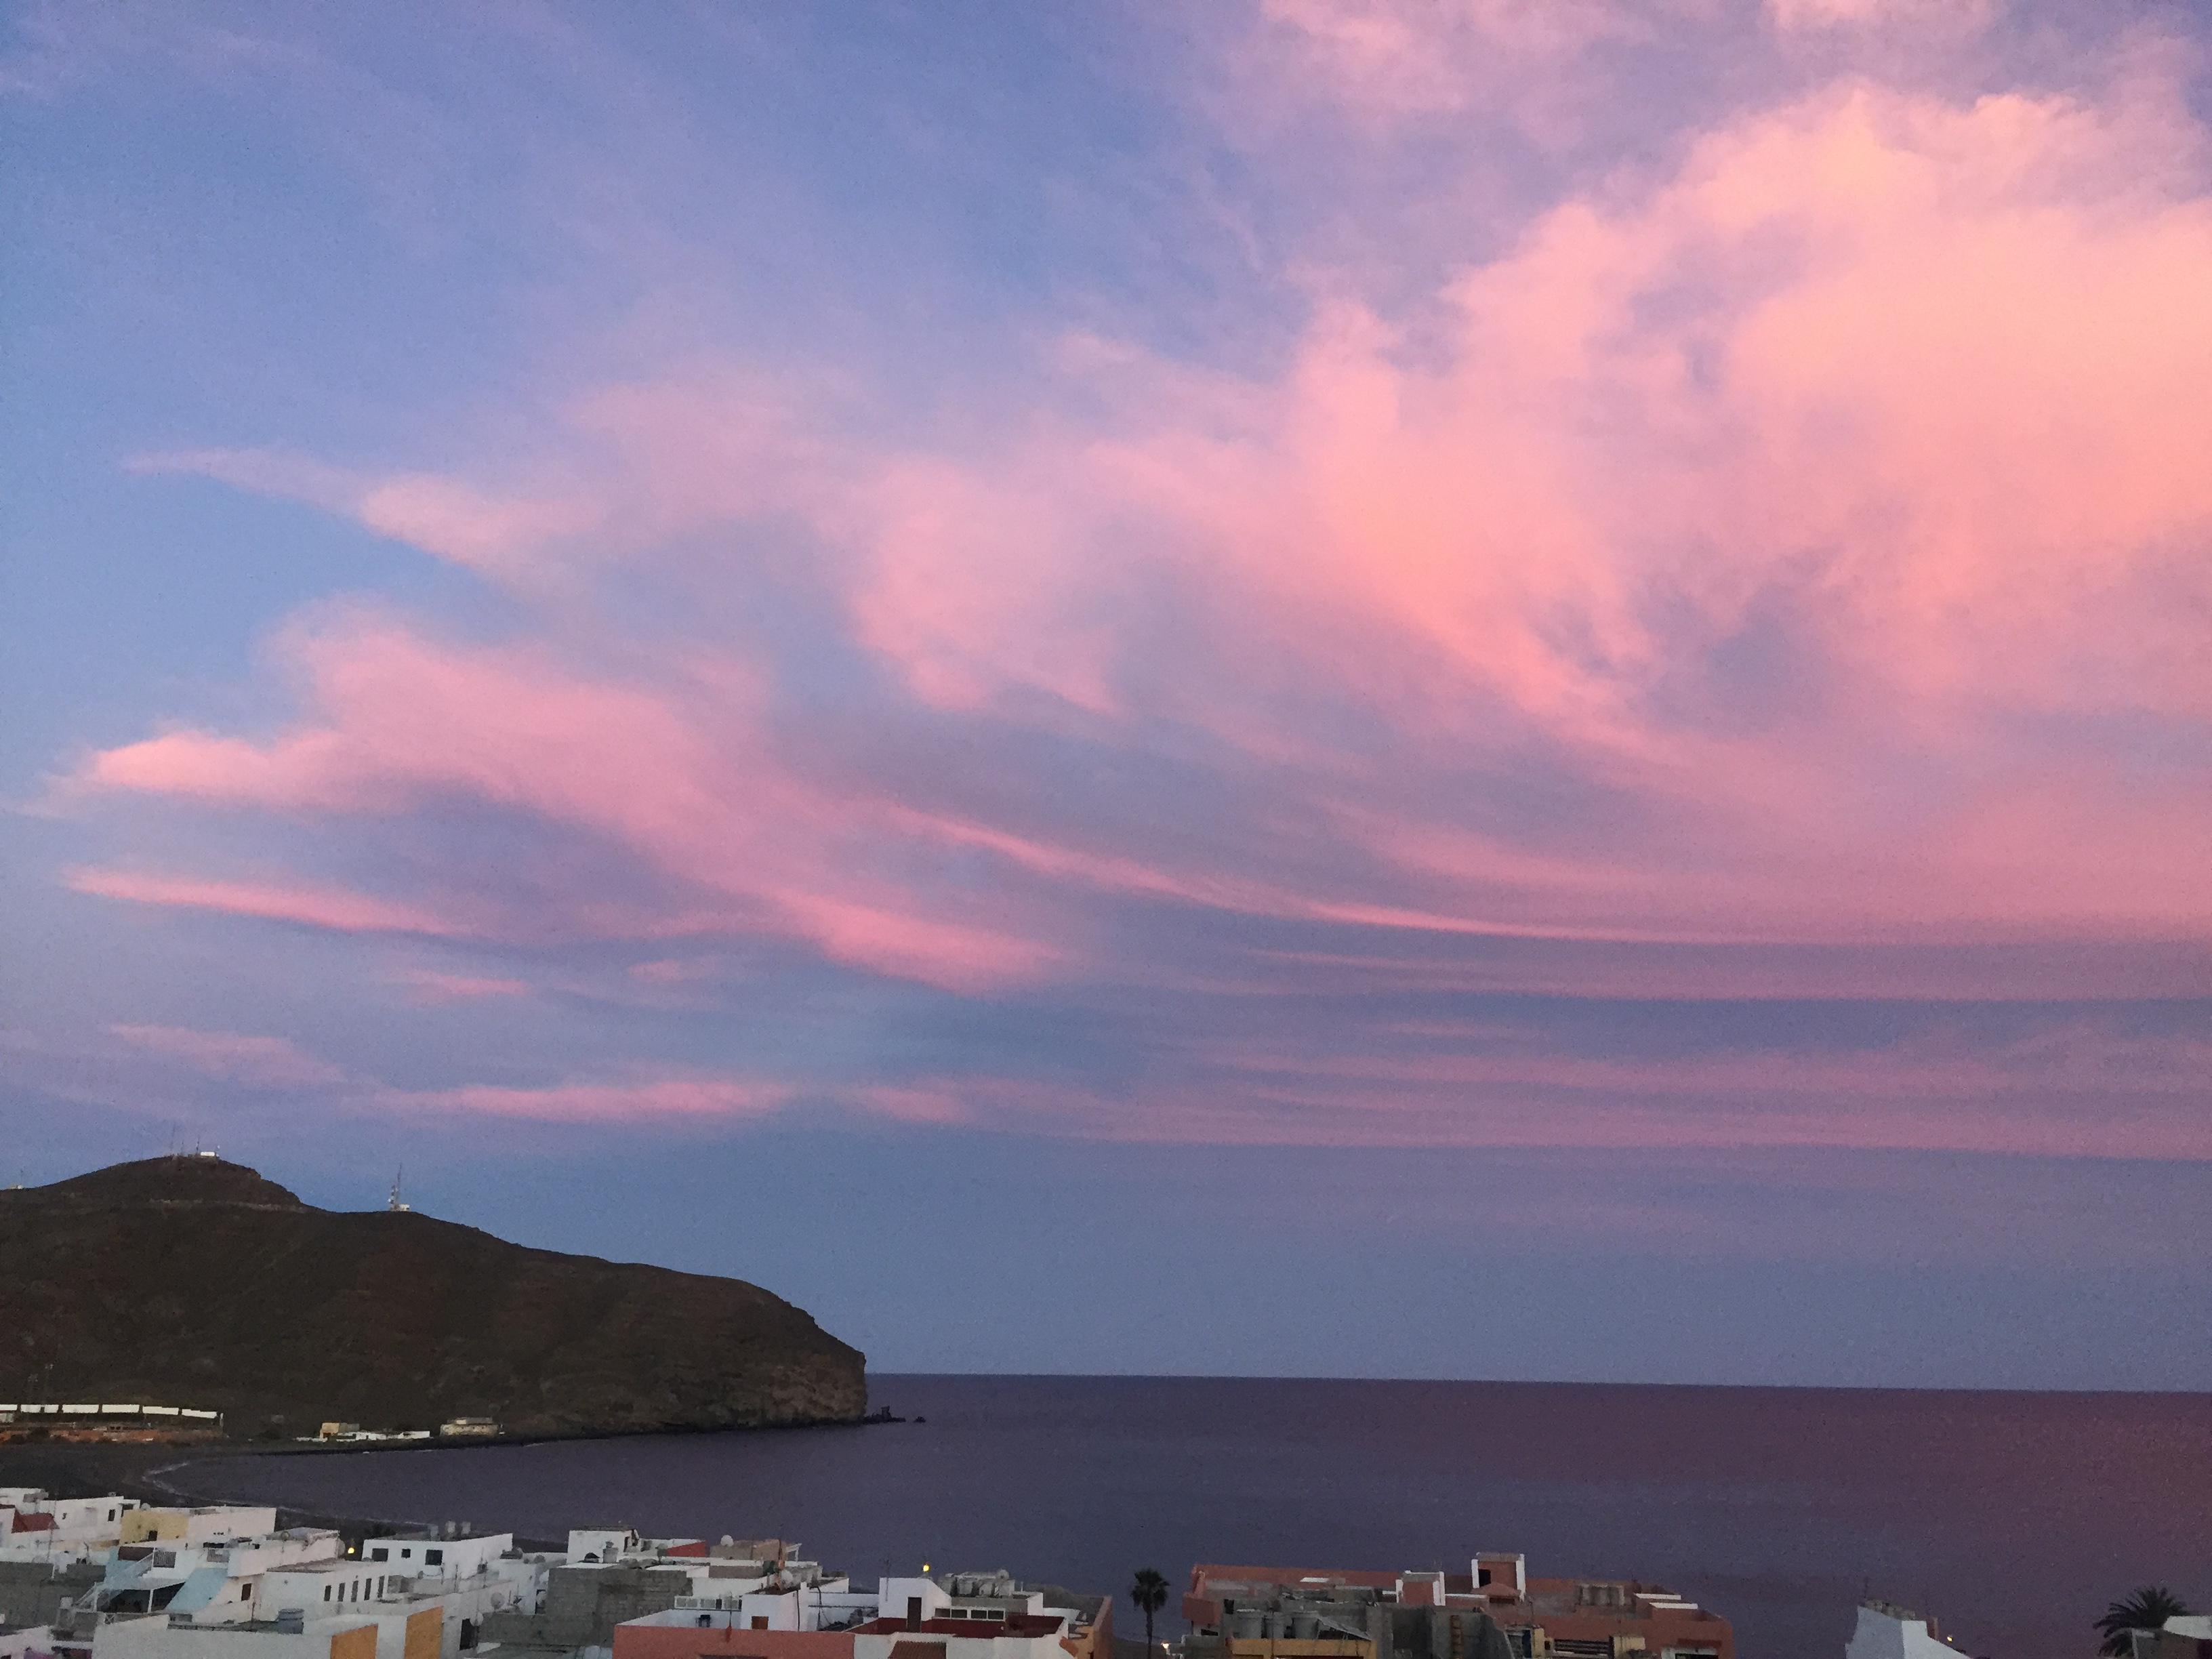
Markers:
{"x": 192, "y": 1280}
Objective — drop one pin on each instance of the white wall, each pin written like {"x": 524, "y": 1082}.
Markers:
{"x": 895, "y": 1592}
{"x": 1881, "y": 1636}
{"x": 222, "y": 1523}
{"x": 152, "y": 1638}
{"x": 319, "y": 1589}
{"x": 608, "y": 1543}
{"x": 268, "y": 1551}
{"x": 455, "y": 1558}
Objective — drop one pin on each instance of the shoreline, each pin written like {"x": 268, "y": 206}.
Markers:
{"x": 143, "y": 1470}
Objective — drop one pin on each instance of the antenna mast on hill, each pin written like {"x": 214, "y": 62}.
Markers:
{"x": 395, "y": 1203}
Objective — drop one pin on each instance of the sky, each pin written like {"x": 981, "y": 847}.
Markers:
{"x": 1541, "y": 667}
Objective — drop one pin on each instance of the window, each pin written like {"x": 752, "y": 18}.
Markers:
{"x": 380, "y": 1555}
{"x": 326, "y": 1592}
{"x": 405, "y": 1554}
{"x": 1483, "y": 1576}
{"x": 433, "y": 1557}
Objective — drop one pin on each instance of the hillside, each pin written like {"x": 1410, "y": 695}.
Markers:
{"x": 192, "y": 1281}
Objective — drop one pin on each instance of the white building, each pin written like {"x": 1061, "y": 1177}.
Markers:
{"x": 468, "y": 1576}
{"x": 35, "y": 1527}
{"x": 1892, "y": 1632}
{"x": 979, "y": 1616}
{"x": 214, "y": 1582}
{"x": 2183, "y": 1637}
{"x": 209, "y": 1523}
{"x": 782, "y": 1603}
{"x": 956, "y": 1616}
{"x": 353, "y": 1637}
{"x": 417, "y": 1554}
{"x": 308, "y": 1573}
{"x": 334, "y": 1605}
{"x": 602, "y": 1543}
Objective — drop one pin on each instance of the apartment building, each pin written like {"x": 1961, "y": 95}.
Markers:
{"x": 949, "y": 1616}
{"x": 35, "y": 1525}
{"x": 1494, "y": 1610}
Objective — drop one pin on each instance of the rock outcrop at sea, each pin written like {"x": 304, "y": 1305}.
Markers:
{"x": 195, "y": 1281}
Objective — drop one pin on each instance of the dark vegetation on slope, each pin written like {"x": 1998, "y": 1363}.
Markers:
{"x": 190, "y": 1281}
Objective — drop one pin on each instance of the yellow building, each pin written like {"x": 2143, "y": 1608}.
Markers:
{"x": 212, "y": 1523}
{"x": 152, "y": 1526}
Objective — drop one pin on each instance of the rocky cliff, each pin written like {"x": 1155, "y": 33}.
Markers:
{"x": 190, "y": 1281}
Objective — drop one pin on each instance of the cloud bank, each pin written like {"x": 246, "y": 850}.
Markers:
{"x": 1791, "y": 543}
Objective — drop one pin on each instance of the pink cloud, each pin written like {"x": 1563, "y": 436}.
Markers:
{"x": 1801, "y": 518}
{"x": 312, "y": 905}
{"x": 1912, "y": 385}
{"x": 678, "y": 774}
{"x": 1950, "y": 16}
{"x": 487, "y": 531}
{"x": 675, "y": 970}
{"x": 2085, "y": 1091}
{"x": 647, "y": 1095}
{"x": 484, "y": 531}
{"x": 428, "y": 988}
{"x": 257, "y": 1062}
{"x": 1393, "y": 58}
{"x": 640, "y": 1100}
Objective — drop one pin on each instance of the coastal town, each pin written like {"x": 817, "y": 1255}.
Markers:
{"x": 107, "y": 1577}
{"x": 113, "y": 1577}
{"x": 1240, "y": 829}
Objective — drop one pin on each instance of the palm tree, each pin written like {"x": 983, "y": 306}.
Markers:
{"x": 1150, "y": 1592}
{"x": 2149, "y": 1608}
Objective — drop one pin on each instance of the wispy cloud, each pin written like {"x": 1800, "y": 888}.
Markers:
{"x": 1773, "y": 556}
{"x": 257, "y": 1062}
{"x": 311, "y": 906}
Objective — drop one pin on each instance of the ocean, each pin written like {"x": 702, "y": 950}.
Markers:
{"x": 2012, "y": 1517}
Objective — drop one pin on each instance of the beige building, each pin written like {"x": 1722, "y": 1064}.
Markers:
{"x": 212, "y": 1524}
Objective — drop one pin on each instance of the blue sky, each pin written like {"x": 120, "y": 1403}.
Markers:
{"x": 1542, "y": 664}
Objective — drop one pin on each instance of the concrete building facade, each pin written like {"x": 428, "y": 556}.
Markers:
{"x": 214, "y": 1523}
{"x": 35, "y": 1525}
{"x": 1494, "y": 1610}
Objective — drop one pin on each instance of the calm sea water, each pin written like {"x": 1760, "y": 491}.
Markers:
{"x": 2014, "y": 1518}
